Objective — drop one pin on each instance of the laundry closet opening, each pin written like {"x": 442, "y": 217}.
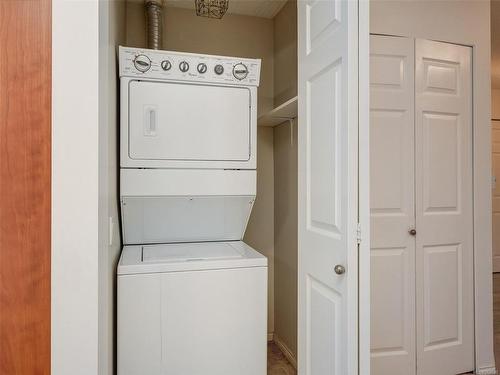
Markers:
{"x": 252, "y": 30}
{"x": 422, "y": 252}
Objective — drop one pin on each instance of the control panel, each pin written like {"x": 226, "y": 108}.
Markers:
{"x": 157, "y": 64}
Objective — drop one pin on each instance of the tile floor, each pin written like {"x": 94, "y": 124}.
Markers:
{"x": 277, "y": 364}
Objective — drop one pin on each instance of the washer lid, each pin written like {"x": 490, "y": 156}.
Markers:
{"x": 189, "y": 252}
{"x": 188, "y": 257}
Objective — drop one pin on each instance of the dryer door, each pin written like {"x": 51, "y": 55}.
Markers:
{"x": 172, "y": 121}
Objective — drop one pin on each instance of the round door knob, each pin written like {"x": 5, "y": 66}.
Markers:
{"x": 339, "y": 269}
{"x": 142, "y": 63}
{"x": 413, "y": 232}
{"x": 183, "y": 66}
{"x": 166, "y": 65}
{"x": 202, "y": 68}
{"x": 218, "y": 69}
{"x": 240, "y": 71}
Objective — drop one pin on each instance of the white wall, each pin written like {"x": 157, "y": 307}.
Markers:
{"x": 462, "y": 22}
{"x": 84, "y": 184}
{"x": 75, "y": 188}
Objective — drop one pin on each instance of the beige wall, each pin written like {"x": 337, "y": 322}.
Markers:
{"x": 234, "y": 35}
{"x": 462, "y": 22}
{"x": 285, "y": 234}
{"x": 260, "y": 230}
{"x": 285, "y": 180}
{"x": 285, "y": 53}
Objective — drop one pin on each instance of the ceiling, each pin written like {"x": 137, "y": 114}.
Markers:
{"x": 255, "y": 8}
{"x": 495, "y": 44}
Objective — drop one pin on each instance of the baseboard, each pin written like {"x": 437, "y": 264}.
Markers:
{"x": 286, "y": 351}
{"x": 486, "y": 371}
{"x": 270, "y": 337}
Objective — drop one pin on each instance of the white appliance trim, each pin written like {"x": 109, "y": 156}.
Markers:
{"x": 183, "y": 182}
{"x": 131, "y": 262}
{"x": 127, "y": 56}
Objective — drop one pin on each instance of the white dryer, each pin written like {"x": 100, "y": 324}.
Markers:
{"x": 187, "y": 110}
{"x": 192, "y": 297}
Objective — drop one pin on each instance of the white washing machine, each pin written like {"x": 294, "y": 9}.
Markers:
{"x": 196, "y": 308}
{"x": 192, "y": 297}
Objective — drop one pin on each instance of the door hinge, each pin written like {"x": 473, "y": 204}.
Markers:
{"x": 358, "y": 233}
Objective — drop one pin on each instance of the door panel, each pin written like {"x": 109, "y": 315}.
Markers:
{"x": 235, "y": 318}
{"x": 444, "y": 248}
{"x": 174, "y": 121}
{"x": 25, "y": 191}
{"x": 441, "y": 167}
{"x": 327, "y": 156}
{"x": 392, "y": 205}
{"x": 495, "y": 135}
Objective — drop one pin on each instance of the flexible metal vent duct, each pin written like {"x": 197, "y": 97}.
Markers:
{"x": 154, "y": 22}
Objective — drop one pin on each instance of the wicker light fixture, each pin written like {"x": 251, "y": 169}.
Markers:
{"x": 211, "y": 8}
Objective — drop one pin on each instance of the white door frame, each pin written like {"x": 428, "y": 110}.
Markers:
{"x": 480, "y": 269}
{"x": 364, "y": 188}
{"x": 75, "y": 295}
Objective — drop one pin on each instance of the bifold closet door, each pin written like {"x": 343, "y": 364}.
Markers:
{"x": 444, "y": 246}
{"x": 421, "y": 207}
{"x": 392, "y": 205}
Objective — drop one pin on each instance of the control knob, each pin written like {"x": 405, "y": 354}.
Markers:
{"x": 218, "y": 69}
{"x": 142, "y": 63}
{"x": 166, "y": 65}
{"x": 183, "y": 66}
{"x": 202, "y": 68}
{"x": 240, "y": 71}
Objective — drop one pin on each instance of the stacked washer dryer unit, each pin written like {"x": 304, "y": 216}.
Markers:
{"x": 192, "y": 297}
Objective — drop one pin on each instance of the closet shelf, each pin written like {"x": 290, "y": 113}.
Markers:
{"x": 280, "y": 114}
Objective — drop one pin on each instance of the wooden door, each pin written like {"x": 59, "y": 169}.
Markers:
{"x": 392, "y": 200}
{"x": 25, "y": 190}
{"x": 444, "y": 222}
{"x": 327, "y": 187}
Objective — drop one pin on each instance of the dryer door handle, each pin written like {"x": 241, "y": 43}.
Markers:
{"x": 150, "y": 121}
